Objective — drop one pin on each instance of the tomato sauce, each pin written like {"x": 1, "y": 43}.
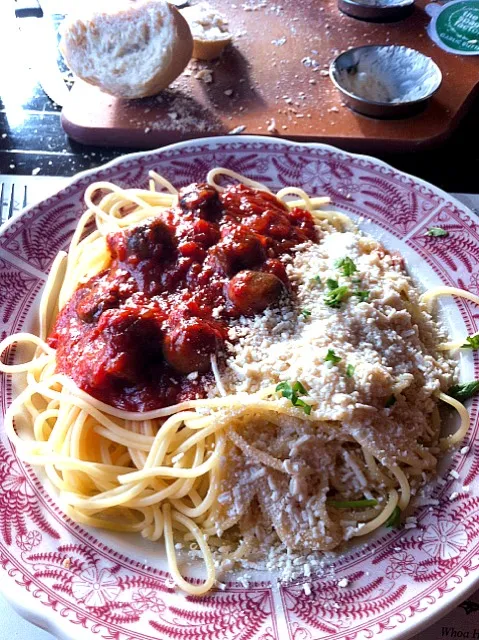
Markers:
{"x": 140, "y": 334}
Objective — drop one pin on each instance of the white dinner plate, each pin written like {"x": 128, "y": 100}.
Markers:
{"x": 83, "y": 584}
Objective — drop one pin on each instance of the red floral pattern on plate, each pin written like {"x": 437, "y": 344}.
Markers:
{"x": 334, "y": 606}
{"x": 17, "y": 288}
{"x": 83, "y": 586}
{"x": 25, "y": 238}
{"x": 19, "y": 506}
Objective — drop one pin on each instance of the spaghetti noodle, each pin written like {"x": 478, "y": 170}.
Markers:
{"x": 298, "y": 424}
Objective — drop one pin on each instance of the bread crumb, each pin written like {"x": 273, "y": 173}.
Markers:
{"x": 343, "y": 583}
{"x": 67, "y": 563}
{"x": 205, "y": 75}
{"x": 272, "y": 126}
{"x": 228, "y": 92}
{"x": 238, "y": 129}
{"x": 307, "y": 588}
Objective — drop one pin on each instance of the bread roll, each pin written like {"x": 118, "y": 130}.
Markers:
{"x": 128, "y": 48}
{"x": 209, "y": 30}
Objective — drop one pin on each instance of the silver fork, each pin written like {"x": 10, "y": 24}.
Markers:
{"x": 10, "y": 206}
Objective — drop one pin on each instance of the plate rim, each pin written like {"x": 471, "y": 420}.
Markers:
{"x": 72, "y": 180}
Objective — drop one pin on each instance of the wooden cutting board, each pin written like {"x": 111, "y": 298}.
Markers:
{"x": 274, "y": 81}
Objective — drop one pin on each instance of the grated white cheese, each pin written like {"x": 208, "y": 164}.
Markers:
{"x": 391, "y": 350}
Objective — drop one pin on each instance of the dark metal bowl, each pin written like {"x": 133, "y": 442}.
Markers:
{"x": 385, "y": 81}
{"x": 377, "y": 10}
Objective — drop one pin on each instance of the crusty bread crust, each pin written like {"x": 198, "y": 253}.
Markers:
{"x": 129, "y": 49}
{"x": 209, "y": 49}
{"x": 209, "y": 30}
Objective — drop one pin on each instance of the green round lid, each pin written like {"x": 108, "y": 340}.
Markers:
{"x": 455, "y": 26}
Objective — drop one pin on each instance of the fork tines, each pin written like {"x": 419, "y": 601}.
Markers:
{"x": 12, "y": 203}
{"x": 9, "y": 204}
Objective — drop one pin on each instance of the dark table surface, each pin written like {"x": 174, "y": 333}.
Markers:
{"x": 32, "y": 140}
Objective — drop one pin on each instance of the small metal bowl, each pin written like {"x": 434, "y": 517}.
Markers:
{"x": 385, "y": 81}
{"x": 377, "y": 10}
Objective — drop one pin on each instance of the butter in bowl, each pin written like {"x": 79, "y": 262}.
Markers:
{"x": 385, "y": 81}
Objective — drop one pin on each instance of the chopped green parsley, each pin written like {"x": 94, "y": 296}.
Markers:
{"x": 292, "y": 393}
